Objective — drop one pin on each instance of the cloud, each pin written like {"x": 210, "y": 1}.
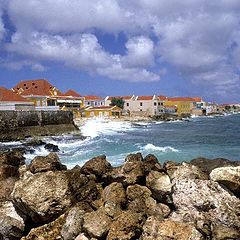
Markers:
{"x": 196, "y": 38}
{"x": 2, "y": 28}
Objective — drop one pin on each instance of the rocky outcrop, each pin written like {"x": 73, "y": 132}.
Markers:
{"x": 48, "y": 163}
{"x": 139, "y": 200}
{"x": 228, "y": 176}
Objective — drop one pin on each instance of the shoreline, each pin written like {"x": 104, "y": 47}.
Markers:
{"x": 48, "y": 201}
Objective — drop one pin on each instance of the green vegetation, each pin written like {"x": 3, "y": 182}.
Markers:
{"x": 117, "y": 102}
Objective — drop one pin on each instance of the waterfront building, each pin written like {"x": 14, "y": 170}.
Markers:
{"x": 94, "y": 101}
{"x": 102, "y": 112}
{"x": 11, "y": 101}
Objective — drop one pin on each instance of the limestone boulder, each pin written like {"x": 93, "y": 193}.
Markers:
{"x": 151, "y": 163}
{"x": 6, "y": 188}
{"x": 97, "y": 223}
{"x": 11, "y": 223}
{"x": 160, "y": 185}
{"x": 154, "y": 229}
{"x": 128, "y": 225}
{"x": 228, "y": 176}
{"x": 221, "y": 232}
{"x": 97, "y": 166}
{"x": 47, "y": 231}
{"x": 73, "y": 223}
{"x": 204, "y": 200}
{"x": 49, "y": 163}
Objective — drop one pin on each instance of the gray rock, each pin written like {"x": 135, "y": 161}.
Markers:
{"x": 228, "y": 176}
{"x": 11, "y": 223}
{"x": 97, "y": 223}
{"x": 73, "y": 225}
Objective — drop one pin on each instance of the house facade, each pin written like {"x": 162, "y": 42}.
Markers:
{"x": 94, "y": 101}
{"x": 102, "y": 112}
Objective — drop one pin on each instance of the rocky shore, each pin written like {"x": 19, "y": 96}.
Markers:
{"x": 140, "y": 199}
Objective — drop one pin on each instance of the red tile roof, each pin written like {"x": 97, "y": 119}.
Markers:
{"x": 144, "y": 98}
{"x": 39, "y": 87}
{"x": 189, "y": 99}
{"x": 9, "y": 96}
{"x": 72, "y": 93}
{"x": 161, "y": 97}
{"x": 92, "y": 98}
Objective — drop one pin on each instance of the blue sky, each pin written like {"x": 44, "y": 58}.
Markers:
{"x": 120, "y": 47}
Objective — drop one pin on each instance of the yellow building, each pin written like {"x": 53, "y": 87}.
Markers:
{"x": 184, "y": 104}
{"x": 102, "y": 112}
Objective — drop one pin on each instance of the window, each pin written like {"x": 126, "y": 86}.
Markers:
{"x": 141, "y": 104}
{"x": 155, "y": 104}
{"x": 127, "y": 104}
{"x": 159, "y": 104}
{"x": 140, "y": 110}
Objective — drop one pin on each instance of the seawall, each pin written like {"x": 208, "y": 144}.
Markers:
{"x": 17, "y": 125}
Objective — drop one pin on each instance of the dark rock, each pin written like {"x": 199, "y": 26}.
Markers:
{"x": 49, "y": 163}
{"x": 11, "y": 224}
{"x": 6, "y": 188}
{"x": 97, "y": 223}
{"x": 13, "y": 157}
{"x": 35, "y": 143}
{"x": 221, "y": 232}
{"x": 151, "y": 163}
{"x": 98, "y": 166}
{"x": 170, "y": 167}
{"x": 51, "y": 147}
{"x": 134, "y": 157}
{"x": 207, "y": 165}
{"x": 127, "y": 225}
{"x": 7, "y": 171}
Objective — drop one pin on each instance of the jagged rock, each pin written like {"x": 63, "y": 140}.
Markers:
{"x": 154, "y": 229}
{"x": 138, "y": 191}
{"x": 207, "y": 165}
{"x": 126, "y": 226}
{"x": 220, "y": 232}
{"x": 6, "y": 188}
{"x": 14, "y": 157}
{"x": 81, "y": 236}
{"x": 152, "y": 163}
{"x": 48, "y": 231}
{"x": 134, "y": 158}
{"x": 97, "y": 166}
{"x": 170, "y": 167}
{"x": 228, "y": 176}
{"x": 97, "y": 223}
{"x": 160, "y": 185}
{"x": 114, "y": 198}
{"x": 43, "y": 196}
{"x": 189, "y": 171}
{"x": 11, "y": 223}
{"x": 205, "y": 200}
{"x": 51, "y": 147}
{"x": 73, "y": 224}
{"x": 49, "y": 163}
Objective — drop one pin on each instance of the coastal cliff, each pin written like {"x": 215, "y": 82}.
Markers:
{"x": 17, "y": 125}
{"x": 141, "y": 199}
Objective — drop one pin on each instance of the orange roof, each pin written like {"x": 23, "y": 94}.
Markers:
{"x": 92, "y": 98}
{"x": 72, "y": 93}
{"x": 9, "y": 96}
{"x": 39, "y": 87}
{"x": 189, "y": 99}
{"x": 144, "y": 98}
{"x": 161, "y": 97}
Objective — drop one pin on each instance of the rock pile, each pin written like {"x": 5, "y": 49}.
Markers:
{"x": 139, "y": 200}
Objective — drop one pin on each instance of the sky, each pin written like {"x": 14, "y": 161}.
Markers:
{"x": 124, "y": 47}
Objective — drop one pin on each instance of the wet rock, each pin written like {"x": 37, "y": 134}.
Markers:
{"x": 154, "y": 229}
{"x": 51, "y": 147}
{"x": 11, "y": 223}
{"x": 228, "y": 176}
{"x": 97, "y": 166}
{"x": 220, "y": 232}
{"x": 48, "y": 231}
{"x": 189, "y": 171}
{"x": 205, "y": 200}
{"x": 126, "y": 226}
{"x": 160, "y": 185}
{"x": 207, "y": 165}
{"x": 151, "y": 163}
{"x": 114, "y": 198}
{"x": 43, "y": 196}
{"x": 73, "y": 223}
{"x": 97, "y": 223}
{"x": 49, "y": 163}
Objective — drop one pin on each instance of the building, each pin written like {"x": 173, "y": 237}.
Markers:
{"x": 11, "y": 101}
{"x": 127, "y": 101}
{"x": 102, "y": 112}
{"x": 94, "y": 101}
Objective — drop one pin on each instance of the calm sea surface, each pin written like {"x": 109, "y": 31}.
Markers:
{"x": 209, "y": 137}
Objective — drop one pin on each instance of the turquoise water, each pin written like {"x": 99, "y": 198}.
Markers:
{"x": 179, "y": 141}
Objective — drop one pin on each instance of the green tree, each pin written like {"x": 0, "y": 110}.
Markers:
{"x": 117, "y": 102}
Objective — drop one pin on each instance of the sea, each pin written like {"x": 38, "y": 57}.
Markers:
{"x": 209, "y": 137}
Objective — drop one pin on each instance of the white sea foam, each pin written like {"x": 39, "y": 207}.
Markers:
{"x": 96, "y": 127}
{"x": 41, "y": 151}
{"x": 152, "y": 147}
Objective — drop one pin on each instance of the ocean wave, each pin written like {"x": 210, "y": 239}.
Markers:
{"x": 152, "y": 147}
